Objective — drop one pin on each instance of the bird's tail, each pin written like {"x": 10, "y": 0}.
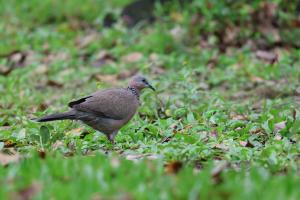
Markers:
{"x": 57, "y": 116}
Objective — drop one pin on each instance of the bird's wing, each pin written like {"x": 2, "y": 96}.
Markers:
{"x": 116, "y": 104}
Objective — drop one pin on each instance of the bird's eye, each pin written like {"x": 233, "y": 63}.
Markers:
{"x": 144, "y": 80}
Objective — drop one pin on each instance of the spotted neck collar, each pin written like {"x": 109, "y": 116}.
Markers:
{"x": 134, "y": 91}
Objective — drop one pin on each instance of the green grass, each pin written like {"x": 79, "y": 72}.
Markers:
{"x": 98, "y": 176}
{"x": 210, "y": 108}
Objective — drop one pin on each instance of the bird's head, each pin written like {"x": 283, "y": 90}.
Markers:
{"x": 139, "y": 82}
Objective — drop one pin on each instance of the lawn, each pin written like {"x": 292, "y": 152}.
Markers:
{"x": 224, "y": 122}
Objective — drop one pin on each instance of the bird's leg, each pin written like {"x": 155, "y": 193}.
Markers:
{"x": 111, "y": 137}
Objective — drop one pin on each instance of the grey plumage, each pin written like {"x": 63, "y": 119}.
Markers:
{"x": 105, "y": 110}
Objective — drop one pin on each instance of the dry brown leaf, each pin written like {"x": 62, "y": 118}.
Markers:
{"x": 267, "y": 56}
{"x": 5, "y": 70}
{"x": 173, "y": 167}
{"x": 256, "y": 131}
{"x": 110, "y": 78}
{"x": 57, "y": 144}
{"x": 103, "y": 58}
{"x": 158, "y": 69}
{"x": 17, "y": 58}
{"x": 166, "y": 139}
{"x": 279, "y": 126}
{"x": 221, "y": 147}
{"x": 52, "y": 57}
{"x": 256, "y": 79}
{"x": 39, "y": 70}
{"x": 126, "y": 74}
{"x": 132, "y": 57}
{"x": 6, "y": 159}
{"x": 75, "y": 132}
{"x": 9, "y": 143}
{"x": 238, "y": 116}
{"x": 134, "y": 157}
{"x": 42, "y": 154}
{"x": 55, "y": 84}
{"x": 84, "y": 41}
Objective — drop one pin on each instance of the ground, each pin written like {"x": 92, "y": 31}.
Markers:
{"x": 223, "y": 124}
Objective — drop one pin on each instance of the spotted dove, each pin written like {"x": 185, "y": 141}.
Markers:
{"x": 105, "y": 110}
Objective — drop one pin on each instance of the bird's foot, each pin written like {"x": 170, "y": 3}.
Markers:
{"x": 111, "y": 139}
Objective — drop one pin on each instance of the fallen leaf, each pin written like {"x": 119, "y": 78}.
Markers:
{"x": 39, "y": 70}
{"x": 42, "y": 106}
{"x": 132, "y": 57}
{"x": 267, "y": 56}
{"x": 55, "y": 84}
{"x": 5, "y": 70}
{"x": 173, "y": 167}
{"x": 126, "y": 74}
{"x": 57, "y": 144}
{"x": 255, "y": 131}
{"x": 102, "y": 58}
{"x": 166, "y": 139}
{"x": 84, "y": 41}
{"x": 221, "y": 147}
{"x": 111, "y": 79}
{"x": 54, "y": 57}
{"x": 17, "y": 58}
{"x": 279, "y": 126}
{"x": 74, "y": 132}
{"x": 158, "y": 69}
{"x": 9, "y": 143}
{"x": 6, "y": 159}
{"x": 256, "y": 79}
{"x": 42, "y": 154}
{"x": 134, "y": 157}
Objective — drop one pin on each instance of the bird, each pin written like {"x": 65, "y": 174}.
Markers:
{"x": 105, "y": 110}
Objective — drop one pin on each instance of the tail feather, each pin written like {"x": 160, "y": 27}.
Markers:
{"x": 57, "y": 116}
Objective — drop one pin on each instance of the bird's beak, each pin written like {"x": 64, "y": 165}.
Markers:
{"x": 151, "y": 87}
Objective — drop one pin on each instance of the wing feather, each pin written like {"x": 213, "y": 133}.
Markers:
{"x": 116, "y": 104}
